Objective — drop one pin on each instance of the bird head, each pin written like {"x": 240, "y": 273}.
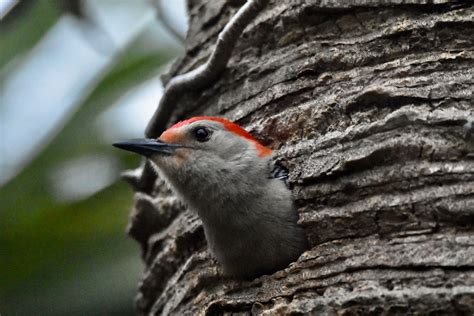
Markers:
{"x": 224, "y": 174}
{"x": 201, "y": 146}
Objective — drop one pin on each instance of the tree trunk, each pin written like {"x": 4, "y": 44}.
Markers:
{"x": 368, "y": 103}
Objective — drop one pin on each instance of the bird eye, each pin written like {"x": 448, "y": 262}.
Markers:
{"x": 202, "y": 134}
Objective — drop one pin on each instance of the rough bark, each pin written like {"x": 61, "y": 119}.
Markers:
{"x": 365, "y": 102}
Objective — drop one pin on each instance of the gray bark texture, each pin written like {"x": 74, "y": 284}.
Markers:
{"x": 368, "y": 104}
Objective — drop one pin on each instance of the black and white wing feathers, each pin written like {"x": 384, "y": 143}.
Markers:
{"x": 278, "y": 171}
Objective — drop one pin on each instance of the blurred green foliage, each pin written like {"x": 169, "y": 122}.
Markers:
{"x": 38, "y": 17}
{"x": 69, "y": 257}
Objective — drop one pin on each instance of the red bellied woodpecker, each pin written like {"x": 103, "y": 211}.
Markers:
{"x": 224, "y": 174}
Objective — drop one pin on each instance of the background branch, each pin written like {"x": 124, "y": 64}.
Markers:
{"x": 163, "y": 18}
{"x": 206, "y": 74}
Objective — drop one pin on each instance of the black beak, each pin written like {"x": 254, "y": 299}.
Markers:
{"x": 148, "y": 147}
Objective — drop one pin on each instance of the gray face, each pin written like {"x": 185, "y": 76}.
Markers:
{"x": 202, "y": 141}
{"x": 211, "y": 155}
{"x": 208, "y": 136}
{"x": 207, "y": 160}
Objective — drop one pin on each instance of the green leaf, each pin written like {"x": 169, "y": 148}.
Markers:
{"x": 20, "y": 34}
